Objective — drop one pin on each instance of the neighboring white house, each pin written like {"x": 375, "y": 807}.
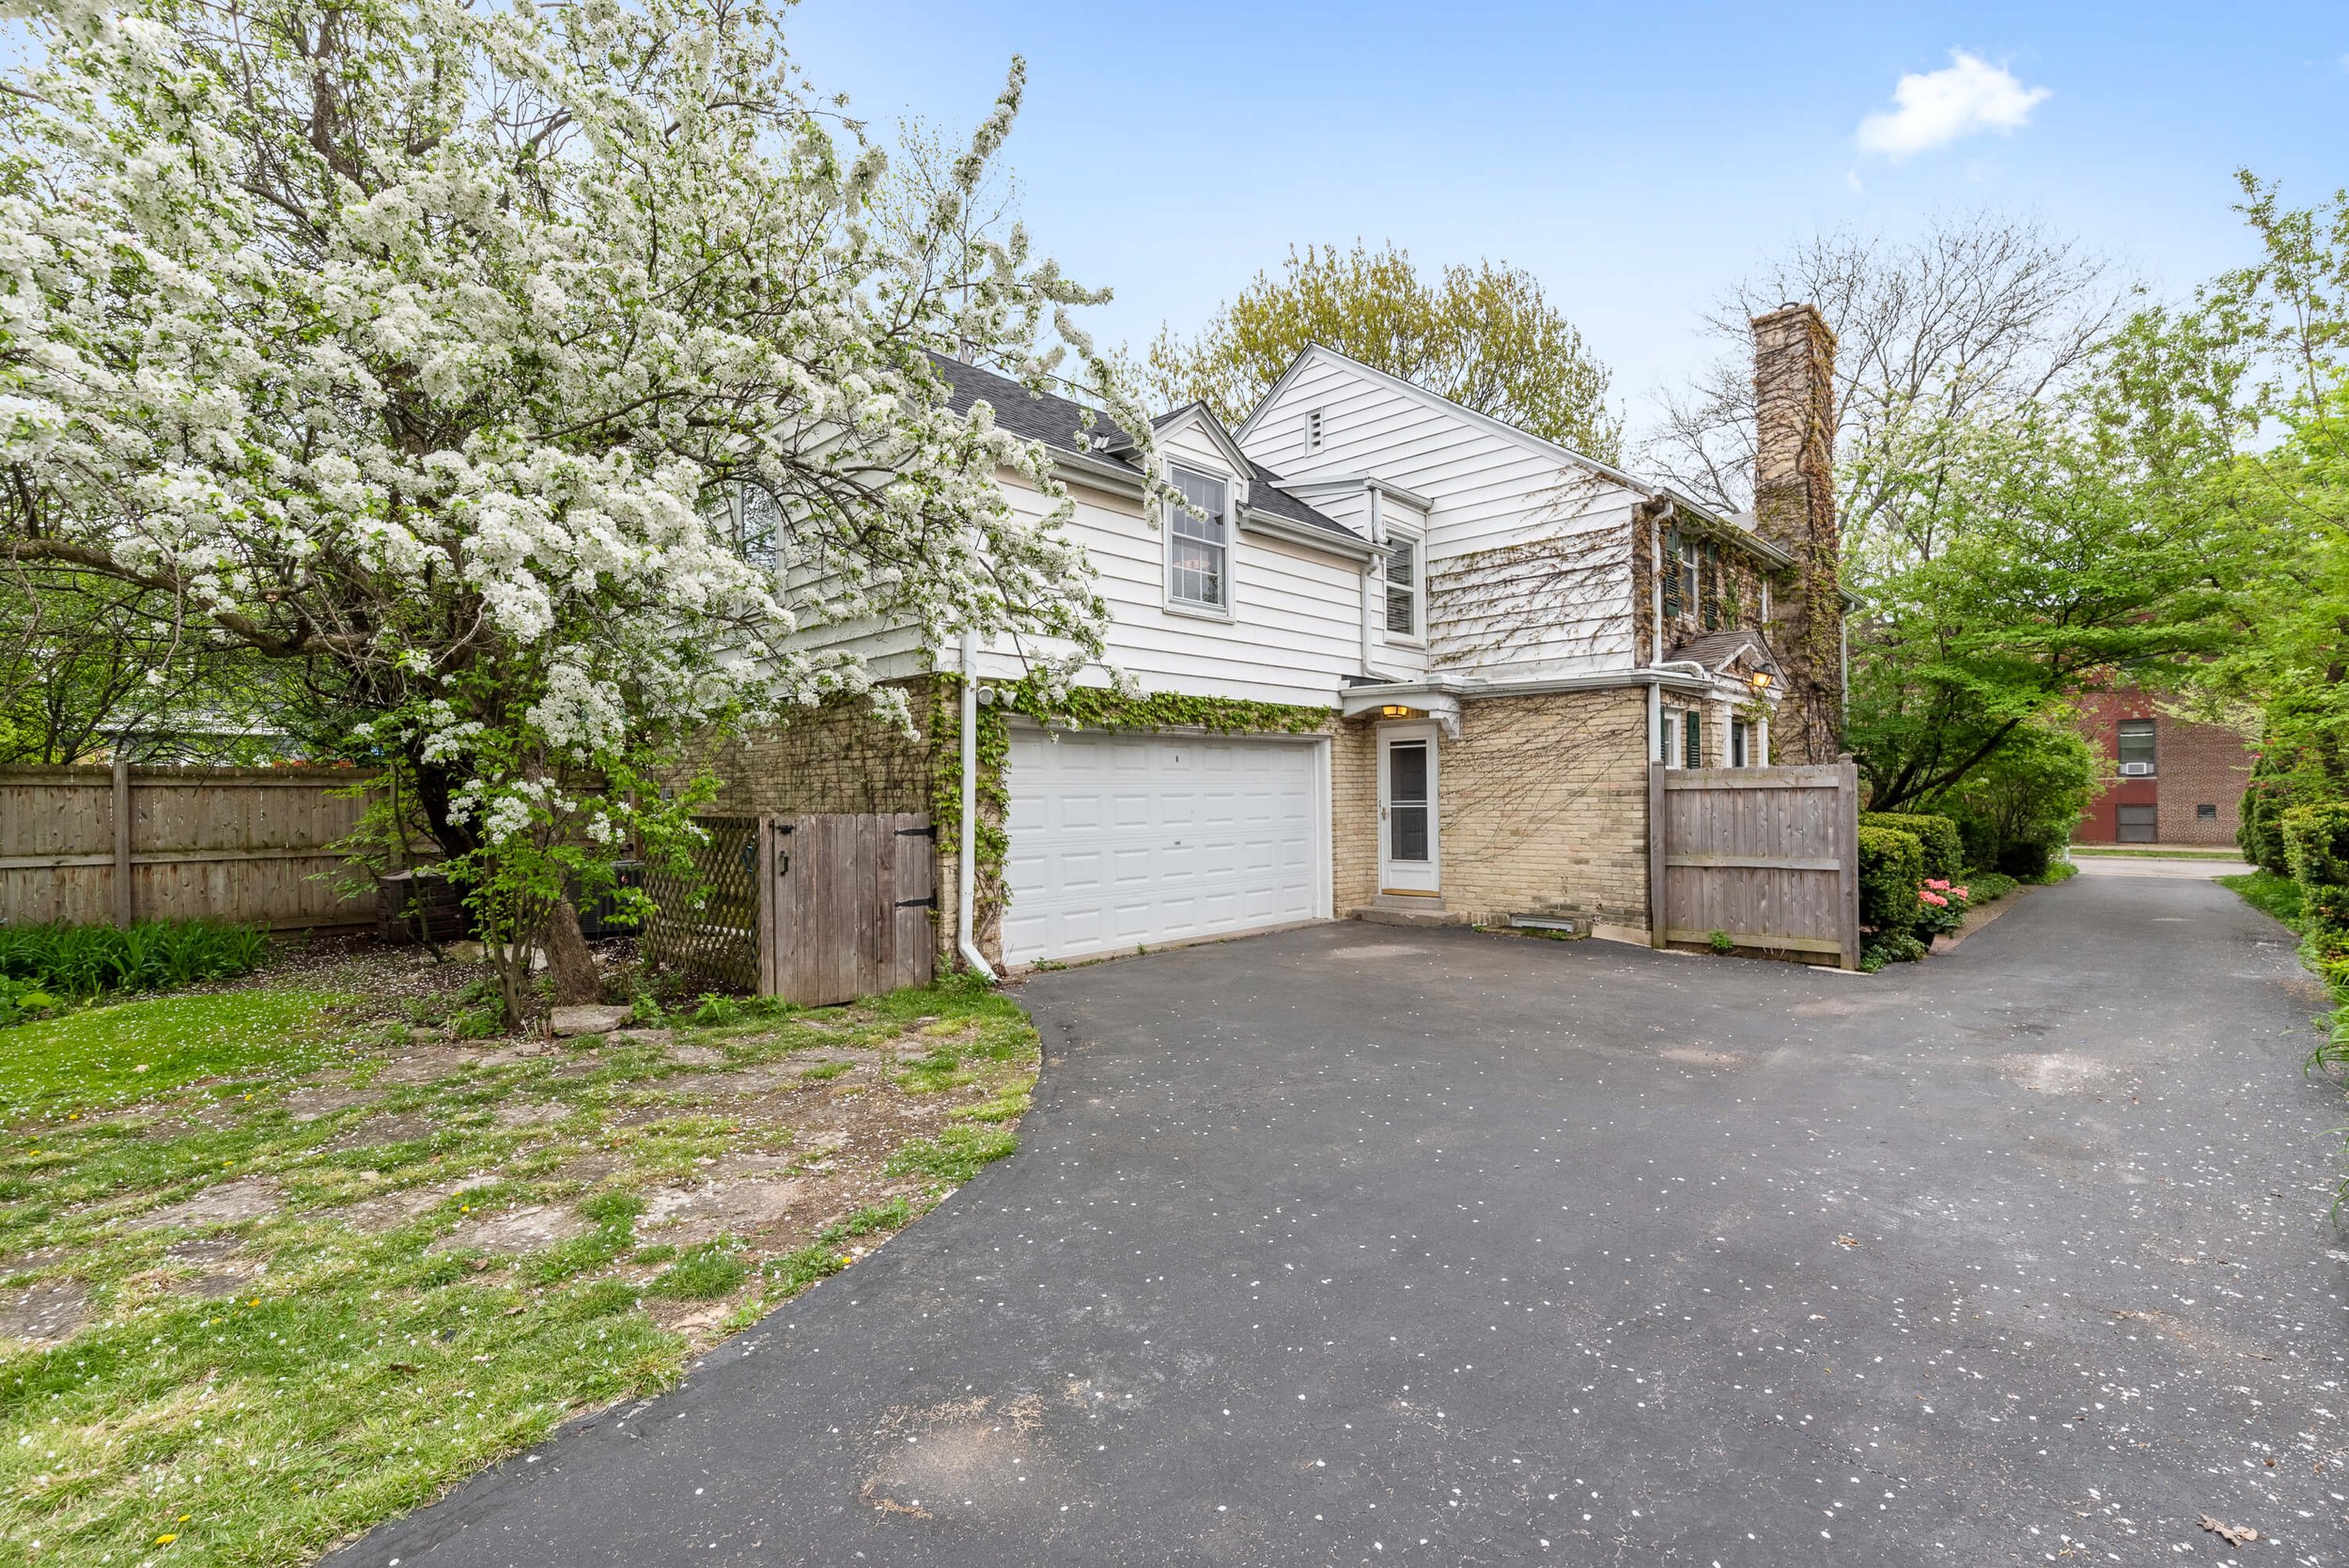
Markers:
{"x": 1491, "y": 634}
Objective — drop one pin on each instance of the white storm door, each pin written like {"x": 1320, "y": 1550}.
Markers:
{"x": 1407, "y": 809}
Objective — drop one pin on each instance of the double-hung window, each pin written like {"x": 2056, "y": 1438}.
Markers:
{"x": 1682, "y": 742}
{"x": 1198, "y": 557}
{"x": 1403, "y": 587}
{"x": 2136, "y": 746}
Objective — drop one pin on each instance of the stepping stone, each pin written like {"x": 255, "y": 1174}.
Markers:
{"x": 585, "y": 1018}
{"x": 323, "y": 1099}
{"x": 697, "y": 1056}
{"x": 46, "y": 1313}
{"x": 533, "y": 1114}
{"x": 226, "y": 1271}
{"x": 404, "y": 1126}
{"x": 688, "y": 1214}
{"x": 428, "y": 1065}
{"x": 228, "y": 1203}
{"x": 511, "y": 1233}
{"x": 388, "y": 1211}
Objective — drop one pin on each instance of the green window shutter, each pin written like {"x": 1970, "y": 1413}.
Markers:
{"x": 1670, "y": 568}
{"x": 1691, "y": 740}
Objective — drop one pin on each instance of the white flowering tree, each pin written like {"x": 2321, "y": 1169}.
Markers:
{"x": 442, "y": 350}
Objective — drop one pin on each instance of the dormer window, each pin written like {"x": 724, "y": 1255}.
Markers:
{"x": 1199, "y": 547}
{"x": 1403, "y": 587}
{"x": 1312, "y": 430}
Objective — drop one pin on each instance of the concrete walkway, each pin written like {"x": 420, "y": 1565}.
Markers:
{"x": 1358, "y": 1245}
{"x": 2193, "y": 869}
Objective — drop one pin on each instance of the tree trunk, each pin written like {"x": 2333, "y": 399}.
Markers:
{"x": 568, "y": 963}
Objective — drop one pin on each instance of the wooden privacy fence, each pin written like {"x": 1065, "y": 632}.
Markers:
{"x": 1768, "y": 855}
{"x": 88, "y": 845}
{"x": 813, "y": 909}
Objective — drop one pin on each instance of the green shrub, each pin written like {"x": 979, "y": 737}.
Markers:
{"x": 146, "y": 955}
{"x": 2316, "y": 845}
{"x": 2272, "y": 791}
{"x": 1987, "y": 887}
{"x": 2017, "y": 811}
{"x": 1945, "y": 850}
{"x": 1891, "y": 865}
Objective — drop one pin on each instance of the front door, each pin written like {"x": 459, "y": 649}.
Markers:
{"x": 1407, "y": 810}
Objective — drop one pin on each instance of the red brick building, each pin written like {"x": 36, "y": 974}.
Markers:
{"x": 2166, "y": 780}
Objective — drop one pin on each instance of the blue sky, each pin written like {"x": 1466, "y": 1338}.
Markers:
{"x": 1638, "y": 159}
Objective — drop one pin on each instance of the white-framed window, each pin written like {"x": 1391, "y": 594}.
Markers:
{"x": 1740, "y": 743}
{"x": 1198, "y": 548}
{"x": 1312, "y": 430}
{"x": 1680, "y": 742}
{"x": 1403, "y": 575}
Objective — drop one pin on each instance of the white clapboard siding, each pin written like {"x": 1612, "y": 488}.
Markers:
{"x": 1294, "y": 630}
{"x": 1490, "y": 491}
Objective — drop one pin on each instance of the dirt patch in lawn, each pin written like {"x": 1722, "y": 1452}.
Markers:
{"x": 412, "y": 1227}
{"x": 44, "y": 1314}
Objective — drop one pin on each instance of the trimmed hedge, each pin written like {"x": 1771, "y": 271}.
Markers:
{"x": 1891, "y": 865}
{"x": 1944, "y": 846}
{"x": 2316, "y": 843}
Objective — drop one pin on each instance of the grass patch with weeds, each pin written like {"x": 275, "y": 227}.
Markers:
{"x": 258, "y": 1384}
{"x": 2271, "y": 894}
{"x": 955, "y": 1154}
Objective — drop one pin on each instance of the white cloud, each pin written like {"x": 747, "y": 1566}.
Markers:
{"x": 1935, "y": 108}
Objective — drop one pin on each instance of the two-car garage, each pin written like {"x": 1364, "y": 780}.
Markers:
{"x": 1121, "y": 841}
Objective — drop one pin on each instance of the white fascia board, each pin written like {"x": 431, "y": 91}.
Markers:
{"x": 1100, "y": 473}
{"x": 1360, "y": 482}
{"x": 1197, "y": 413}
{"x": 1347, "y": 545}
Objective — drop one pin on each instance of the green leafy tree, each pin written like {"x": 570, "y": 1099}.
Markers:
{"x": 2072, "y": 541}
{"x": 1486, "y": 336}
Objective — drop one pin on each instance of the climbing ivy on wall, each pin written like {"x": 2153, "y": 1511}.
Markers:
{"x": 1083, "y": 708}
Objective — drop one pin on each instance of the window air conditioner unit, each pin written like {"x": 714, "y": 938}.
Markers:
{"x": 2136, "y": 769}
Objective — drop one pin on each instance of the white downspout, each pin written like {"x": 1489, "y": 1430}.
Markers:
{"x": 1654, "y": 721}
{"x": 967, "y": 870}
{"x": 1378, "y": 537}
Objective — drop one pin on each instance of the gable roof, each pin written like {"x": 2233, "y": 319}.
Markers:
{"x": 1718, "y": 650}
{"x": 1437, "y": 400}
{"x": 1059, "y": 423}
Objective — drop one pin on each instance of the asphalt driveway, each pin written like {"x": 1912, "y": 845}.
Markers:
{"x": 1358, "y": 1245}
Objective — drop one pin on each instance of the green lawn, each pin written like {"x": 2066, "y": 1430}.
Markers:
{"x": 2269, "y": 893}
{"x": 247, "y": 1389}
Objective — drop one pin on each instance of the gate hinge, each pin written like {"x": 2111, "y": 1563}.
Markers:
{"x": 930, "y": 832}
{"x": 929, "y": 903}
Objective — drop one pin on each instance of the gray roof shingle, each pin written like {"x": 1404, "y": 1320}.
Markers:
{"x": 1058, "y": 421}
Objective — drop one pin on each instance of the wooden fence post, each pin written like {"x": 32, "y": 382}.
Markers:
{"x": 123, "y": 901}
{"x": 1847, "y": 829}
{"x": 1655, "y": 871}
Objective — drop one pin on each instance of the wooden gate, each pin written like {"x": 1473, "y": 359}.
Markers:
{"x": 813, "y": 909}
{"x": 848, "y": 906}
{"x": 1768, "y": 855}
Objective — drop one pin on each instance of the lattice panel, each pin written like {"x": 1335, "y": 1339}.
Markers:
{"x": 708, "y": 924}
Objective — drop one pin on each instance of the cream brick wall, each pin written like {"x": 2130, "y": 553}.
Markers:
{"x": 1542, "y": 809}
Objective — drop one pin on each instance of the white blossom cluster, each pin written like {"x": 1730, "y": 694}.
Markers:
{"x": 425, "y": 343}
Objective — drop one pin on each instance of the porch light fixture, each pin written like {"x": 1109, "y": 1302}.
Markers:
{"x": 1760, "y": 680}
{"x": 1395, "y": 710}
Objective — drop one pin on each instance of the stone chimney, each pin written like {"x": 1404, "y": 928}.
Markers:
{"x": 1794, "y": 507}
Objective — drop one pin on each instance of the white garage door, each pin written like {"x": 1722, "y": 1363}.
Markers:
{"x": 1119, "y": 841}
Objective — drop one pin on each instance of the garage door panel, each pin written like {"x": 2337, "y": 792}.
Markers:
{"x": 1132, "y": 840}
